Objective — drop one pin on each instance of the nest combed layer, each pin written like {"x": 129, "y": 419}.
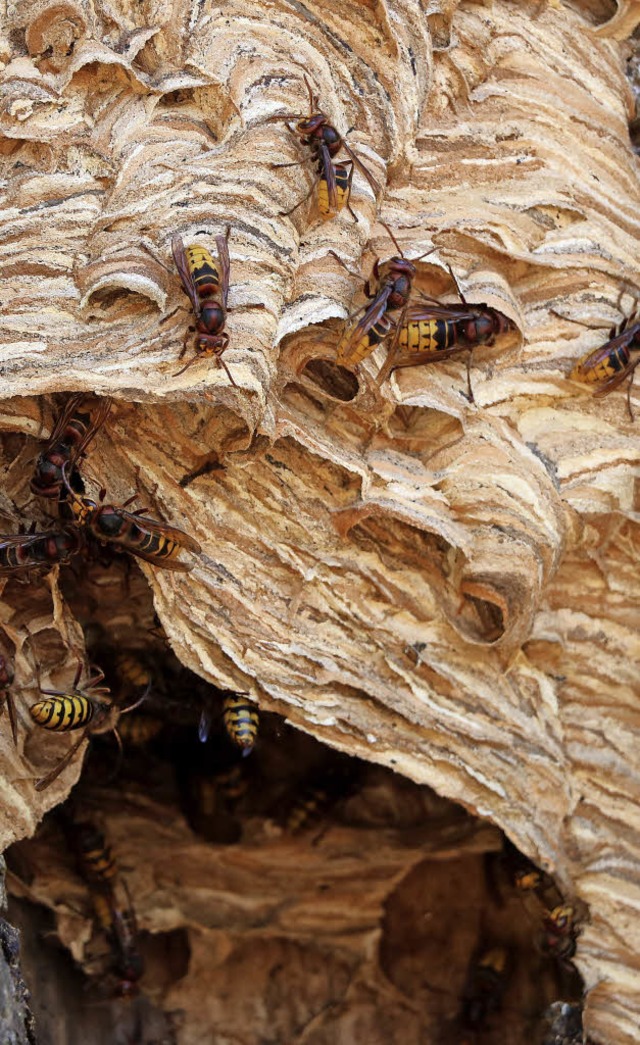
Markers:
{"x": 444, "y": 587}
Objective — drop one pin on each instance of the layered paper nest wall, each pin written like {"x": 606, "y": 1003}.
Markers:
{"x": 444, "y": 587}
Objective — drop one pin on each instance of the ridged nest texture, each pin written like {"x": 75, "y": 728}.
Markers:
{"x": 398, "y": 571}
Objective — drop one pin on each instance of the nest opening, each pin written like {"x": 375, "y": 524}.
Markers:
{"x": 331, "y": 379}
{"x": 219, "y": 850}
{"x": 481, "y": 619}
{"x": 222, "y": 854}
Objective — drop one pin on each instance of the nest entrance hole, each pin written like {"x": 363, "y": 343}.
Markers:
{"x": 178, "y": 810}
{"x": 331, "y": 379}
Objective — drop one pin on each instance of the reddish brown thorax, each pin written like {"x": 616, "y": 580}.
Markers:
{"x": 316, "y": 129}
{"x": 399, "y": 273}
{"x": 211, "y": 319}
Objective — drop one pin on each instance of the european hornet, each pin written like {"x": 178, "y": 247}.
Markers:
{"x": 205, "y": 280}
{"x": 485, "y": 987}
{"x": 431, "y": 332}
{"x": 527, "y": 880}
{"x": 394, "y": 279}
{"x": 559, "y": 936}
{"x": 6, "y": 698}
{"x": 95, "y": 859}
{"x": 609, "y": 365}
{"x": 23, "y": 552}
{"x": 98, "y": 868}
{"x": 133, "y": 532}
{"x": 121, "y": 929}
{"x": 88, "y": 708}
{"x": 333, "y": 180}
{"x": 531, "y": 880}
{"x": 308, "y": 809}
{"x": 72, "y": 433}
{"x": 132, "y": 669}
{"x": 241, "y": 721}
{"x": 317, "y": 796}
{"x": 139, "y": 730}
{"x": 522, "y": 874}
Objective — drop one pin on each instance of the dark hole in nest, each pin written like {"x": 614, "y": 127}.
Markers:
{"x": 335, "y": 381}
{"x": 484, "y": 619}
{"x": 107, "y": 299}
{"x": 458, "y": 938}
{"x": 181, "y": 96}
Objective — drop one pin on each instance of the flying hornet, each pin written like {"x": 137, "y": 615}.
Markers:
{"x": 608, "y": 366}
{"x": 72, "y": 433}
{"x": 132, "y": 532}
{"x": 431, "y": 332}
{"x": 205, "y": 280}
{"x": 6, "y": 698}
{"x": 23, "y": 552}
{"x": 89, "y": 708}
{"x": 394, "y": 280}
{"x": 333, "y": 180}
{"x": 241, "y": 721}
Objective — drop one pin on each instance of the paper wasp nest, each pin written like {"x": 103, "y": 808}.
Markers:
{"x": 442, "y": 587}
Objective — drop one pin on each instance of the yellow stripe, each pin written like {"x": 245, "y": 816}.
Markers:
{"x": 62, "y": 713}
{"x": 341, "y": 197}
{"x": 323, "y": 197}
{"x": 103, "y": 911}
{"x": 198, "y": 256}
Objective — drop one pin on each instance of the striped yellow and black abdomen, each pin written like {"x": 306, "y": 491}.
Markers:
{"x": 241, "y": 721}
{"x": 204, "y": 270}
{"x": 351, "y": 355}
{"x": 307, "y": 810}
{"x": 426, "y": 335}
{"x": 62, "y": 713}
{"x": 99, "y": 865}
{"x": 617, "y": 360}
{"x": 154, "y": 544}
{"x": 94, "y": 856}
{"x": 342, "y": 191}
{"x": 600, "y": 366}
